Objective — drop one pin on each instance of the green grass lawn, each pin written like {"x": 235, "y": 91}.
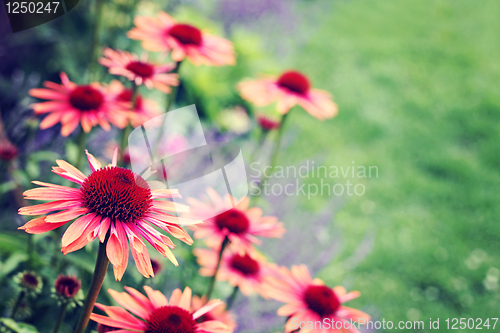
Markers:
{"x": 417, "y": 84}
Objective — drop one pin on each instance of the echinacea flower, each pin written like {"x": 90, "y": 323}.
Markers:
{"x": 68, "y": 290}
{"x": 110, "y": 200}
{"x": 309, "y": 300}
{"x": 67, "y": 286}
{"x": 71, "y": 104}
{"x": 157, "y": 314}
{"x": 143, "y": 109}
{"x": 289, "y": 89}
{"x": 29, "y": 282}
{"x": 140, "y": 70}
{"x": 8, "y": 151}
{"x": 267, "y": 123}
{"x": 241, "y": 224}
{"x": 164, "y": 34}
{"x": 240, "y": 270}
{"x": 218, "y": 313}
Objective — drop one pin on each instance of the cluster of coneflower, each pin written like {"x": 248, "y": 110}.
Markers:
{"x": 118, "y": 207}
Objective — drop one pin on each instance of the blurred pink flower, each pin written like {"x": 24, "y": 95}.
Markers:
{"x": 140, "y": 70}
{"x": 309, "y": 300}
{"x": 239, "y": 269}
{"x": 241, "y": 224}
{"x": 164, "y": 34}
{"x": 157, "y": 314}
{"x": 71, "y": 104}
{"x": 143, "y": 109}
{"x": 218, "y": 313}
{"x": 289, "y": 89}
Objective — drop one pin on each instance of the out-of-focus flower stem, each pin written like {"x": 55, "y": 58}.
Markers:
{"x": 126, "y": 131}
{"x": 275, "y": 153}
{"x": 101, "y": 267}
{"x": 212, "y": 281}
{"x": 262, "y": 139}
{"x": 62, "y": 314}
{"x": 82, "y": 139}
{"x": 94, "y": 48}
{"x": 17, "y": 304}
{"x": 232, "y": 297}
{"x": 170, "y": 101}
{"x": 173, "y": 93}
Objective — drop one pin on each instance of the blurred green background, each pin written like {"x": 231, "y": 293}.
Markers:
{"x": 417, "y": 84}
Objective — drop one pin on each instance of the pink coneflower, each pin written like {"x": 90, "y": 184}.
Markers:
{"x": 240, "y": 270}
{"x": 143, "y": 109}
{"x": 290, "y": 89}
{"x": 140, "y": 70}
{"x": 71, "y": 104}
{"x": 157, "y": 314}
{"x": 310, "y": 300}
{"x": 241, "y": 225}
{"x": 267, "y": 123}
{"x": 67, "y": 286}
{"x": 164, "y": 34}
{"x": 218, "y": 313}
{"x": 110, "y": 199}
{"x": 8, "y": 151}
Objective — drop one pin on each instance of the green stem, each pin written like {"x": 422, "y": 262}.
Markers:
{"x": 231, "y": 298}
{"x": 170, "y": 101}
{"x": 60, "y": 319}
{"x": 275, "y": 153}
{"x": 126, "y": 131}
{"x": 101, "y": 267}
{"x": 82, "y": 139}
{"x": 94, "y": 49}
{"x": 173, "y": 93}
{"x": 212, "y": 281}
{"x": 258, "y": 147}
{"x": 17, "y": 304}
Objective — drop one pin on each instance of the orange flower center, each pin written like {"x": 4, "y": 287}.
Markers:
{"x": 186, "y": 34}
{"x": 141, "y": 69}
{"x": 86, "y": 98}
{"x": 233, "y": 220}
{"x": 294, "y": 81}
{"x": 67, "y": 286}
{"x": 171, "y": 319}
{"x": 321, "y": 300}
{"x": 245, "y": 264}
{"x": 126, "y": 96}
{"x": 116, "y": 193}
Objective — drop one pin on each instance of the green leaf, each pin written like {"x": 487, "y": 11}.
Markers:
{"x": 18, "y": 327}
{"x": 11, "y": 243}
{"x": 7, "y": 187}
{"x": 12, "y": 262}
{"x": 49, "y": 156}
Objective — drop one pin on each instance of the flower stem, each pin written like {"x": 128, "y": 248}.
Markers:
{"x": 17, "y": 304}
{"x": 212, "y": 281}
{"x": 126, "y": 131}
{"x": 232, "y": 297}
{"x": 275, "y": 153}
{"x": 173, "y": 93}
{"x": 82, "y": 139}
{"x": 258, "y": 147}
{"x": 60, "y": 319}
{"x": 101, "y": 267}
{"x": 94, "y": 49}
